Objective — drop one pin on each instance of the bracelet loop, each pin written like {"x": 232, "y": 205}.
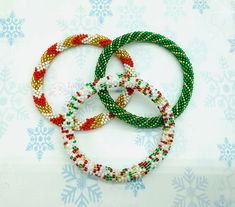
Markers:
{"x": 105, "y": 172}
{"x": 50, "y": 54}
{"x": 188, "y": 77}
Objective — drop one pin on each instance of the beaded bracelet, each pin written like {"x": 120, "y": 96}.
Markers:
{"x": 50, "y": 54}
{"x": 107, "y": 173}
{"x": 188, "y": 77}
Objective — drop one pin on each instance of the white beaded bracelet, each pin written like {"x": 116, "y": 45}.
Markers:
{"x": 107, "y": 173}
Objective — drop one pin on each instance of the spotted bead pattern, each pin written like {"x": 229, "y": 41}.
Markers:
{"x": 105, "y": 172}
{"x": 50, "y": 54}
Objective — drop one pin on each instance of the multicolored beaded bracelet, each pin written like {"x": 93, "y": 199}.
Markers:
{"x": 188, "y": 77}
{"x": 50, "y": 54}
{"x": 107, "y": 173}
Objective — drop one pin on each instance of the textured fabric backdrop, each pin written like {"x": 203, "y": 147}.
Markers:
{"x": 200, "y": 169}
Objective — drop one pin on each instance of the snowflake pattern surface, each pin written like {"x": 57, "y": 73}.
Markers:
{"x": 222, "y": 90}
{"x": 40, "y": 139}
{"x": 81, "y": 23}
{"x": 135, "y": 186}
{"x": 10, "y": 28}
{"x": 190, "y": 190}
{"x": 222, "y": 202}
{"x": 200, "y": 5}
{"x": 101, "y": 9}
{"x": 174, "y": 8}
{"x": 232, "y": 44}
{"x": 11, "y": 100}
{"x": 227, "y": 152}
{"x": 128, "y": 13}
{"x": 79, "y": 189}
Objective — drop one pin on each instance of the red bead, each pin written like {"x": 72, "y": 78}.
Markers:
{"x": 59, "y": 121}
{"x": 70, "y": 136}
{"x": 105, "y": 42}
{"x": 41, "y": 101}
{"x": 77, "y": 40}
{"x": 52, "y": 50}
{"x": 38, "y": 73}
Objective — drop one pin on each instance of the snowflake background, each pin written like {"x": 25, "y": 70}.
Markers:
{"x": 221, "y": 87}
{"x": 11, "y": 28}
{"x": 223, "y": 202}
{"x": 200, "y": 168}
{"x": 200, "y": 5}
{"x": 40, "y": 139}
{"x": 100, "y": 9}
{"x": 79, "y": 189}
{"x": 191, "y": 190}
{"x": 135, "y": 186}
{"x": 227, "y": 152}
{"x": 11, "y": 100}
{"x": 175, "y": 8}
{"x": 129, "y": 10}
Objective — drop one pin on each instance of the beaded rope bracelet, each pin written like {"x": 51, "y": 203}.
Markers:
{"x": 107, "y": 173}
{"x": 49, "y": 55}
{"x": 188, "y": 77}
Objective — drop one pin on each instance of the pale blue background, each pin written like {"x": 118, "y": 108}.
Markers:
{"x": 199, "y": 171}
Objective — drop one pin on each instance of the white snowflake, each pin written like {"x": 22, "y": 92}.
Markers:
{"x": 11, "y": 28}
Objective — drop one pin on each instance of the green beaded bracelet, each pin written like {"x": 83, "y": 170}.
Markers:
{"x": 188, "y": 77}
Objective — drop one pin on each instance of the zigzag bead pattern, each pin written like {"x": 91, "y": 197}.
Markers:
{"x": 50, "y": 54}
{"x": 105, "y": 172}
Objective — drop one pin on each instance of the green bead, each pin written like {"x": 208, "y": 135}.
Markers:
{"x": 186, "y": 66}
